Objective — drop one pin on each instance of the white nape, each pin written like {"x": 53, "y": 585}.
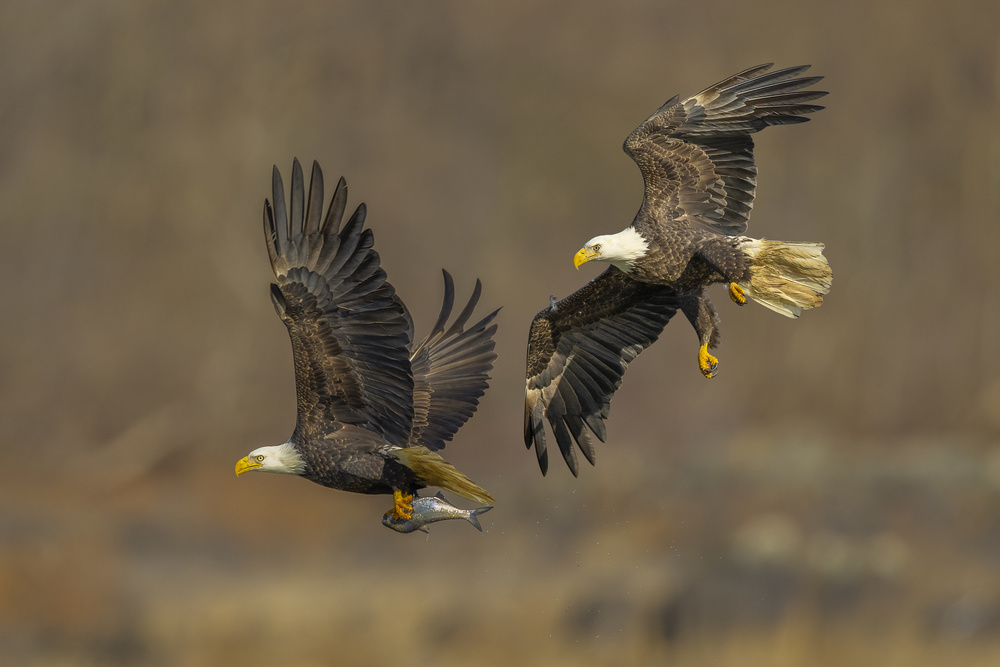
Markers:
{"x": 621, "y": 249}
{"x": 281, "y": 458}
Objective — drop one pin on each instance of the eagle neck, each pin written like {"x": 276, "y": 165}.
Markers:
{"x": 630, "y": 246}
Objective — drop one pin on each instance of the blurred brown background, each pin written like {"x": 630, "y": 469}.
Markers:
{"x": 832, "y": 498}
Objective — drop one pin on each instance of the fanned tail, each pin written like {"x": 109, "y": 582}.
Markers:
{"x": 432, "y": 470}
{"x": 786, "y": 277}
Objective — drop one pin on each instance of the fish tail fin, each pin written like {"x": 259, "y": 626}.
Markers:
{"x": 432, "y": 470}
{"x": 786, "y": 277}
{"x": 474, "y": 516}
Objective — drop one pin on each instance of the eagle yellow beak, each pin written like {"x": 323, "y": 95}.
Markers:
{"x": 584, "y": 256}
{"x": 244, "y": 465}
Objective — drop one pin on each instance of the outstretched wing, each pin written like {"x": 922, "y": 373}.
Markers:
{"x": 578, "y": 350}
{"x": 696, "y": 156}
{"x": 349, "y": 331}
{"x": 450, "y": 371}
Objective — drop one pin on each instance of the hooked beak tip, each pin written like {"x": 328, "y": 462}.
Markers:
{"x": 244, "y": 465}
{"x": 582, "y": 257}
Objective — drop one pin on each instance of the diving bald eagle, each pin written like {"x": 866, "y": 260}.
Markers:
{"x": 373, "y": 408}
{"x": 696, "y": 159}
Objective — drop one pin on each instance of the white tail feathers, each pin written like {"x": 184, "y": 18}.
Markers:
{"x": 432, "y": 470}
{"x": 786, "y": 277}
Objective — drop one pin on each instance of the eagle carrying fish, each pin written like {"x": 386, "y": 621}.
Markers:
{"x": 697, "y": 164}
{"x": 373, "y": 408}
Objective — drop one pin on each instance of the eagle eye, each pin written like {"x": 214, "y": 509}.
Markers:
{"x": 260, "y": 458}
{"x": 596, "y": 247}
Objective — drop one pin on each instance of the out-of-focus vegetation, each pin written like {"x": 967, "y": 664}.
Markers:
{"x": 831, "y": 498}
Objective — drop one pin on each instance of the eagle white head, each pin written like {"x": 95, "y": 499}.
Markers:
{"x": 273, "y": 458}
{"x": 621, "y": 249}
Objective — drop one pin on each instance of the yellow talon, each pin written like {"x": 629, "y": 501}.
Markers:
{"x": 706, "y": 362}
{"x": 403, "y": 505}
{"x": 737, "y": 294}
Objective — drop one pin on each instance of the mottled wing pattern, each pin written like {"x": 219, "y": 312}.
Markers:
{"x": 696, "y": 156}
{"x": 349, "y": 331}
{"x": 450, "y": 371}
{"x": 578, "y": 350}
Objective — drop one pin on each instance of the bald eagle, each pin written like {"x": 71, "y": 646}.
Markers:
{"x": 696, "y": 159}
{"x": 373, "y": 408}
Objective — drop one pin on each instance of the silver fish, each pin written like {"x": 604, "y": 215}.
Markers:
{"x": 430, "y": 509}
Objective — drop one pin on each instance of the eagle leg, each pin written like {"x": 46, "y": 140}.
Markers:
{"x": 402, "y": 505}
{"x": 701, "y": 313}
{"x": 706, "y": 362}
{"x": 737, "y": 294}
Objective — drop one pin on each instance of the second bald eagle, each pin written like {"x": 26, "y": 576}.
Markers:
{"x": 696, "y": 159}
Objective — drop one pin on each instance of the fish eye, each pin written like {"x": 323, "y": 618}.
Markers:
{"x": 596, "y": 247}
{"x": 260, "y": 458}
